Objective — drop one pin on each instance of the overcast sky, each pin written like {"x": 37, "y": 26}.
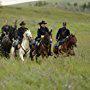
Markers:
{"x": 9, "y": 2}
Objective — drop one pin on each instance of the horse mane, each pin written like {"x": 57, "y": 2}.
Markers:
{"x": 71, "y": 40}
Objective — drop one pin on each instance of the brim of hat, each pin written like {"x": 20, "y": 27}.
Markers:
{"x": 42, "y": 23}
{"x": 22, "y": 24}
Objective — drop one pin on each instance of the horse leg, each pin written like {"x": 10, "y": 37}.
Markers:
{"x": 37, "y": 53}
{"x": 42, "y": 55}
{"x": 31, "y": 55}
{"x": 56, "y": 52}
{"x": 21, "y": 54}
{"x": 72, "y": 53}
{"x": 5, "y": 52}
{"x": 12, "y": 54}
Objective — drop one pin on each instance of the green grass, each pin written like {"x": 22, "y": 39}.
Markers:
{"x": 63, "y": 73}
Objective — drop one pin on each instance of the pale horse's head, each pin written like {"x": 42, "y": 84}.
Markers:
{"x": 28, "y": 35}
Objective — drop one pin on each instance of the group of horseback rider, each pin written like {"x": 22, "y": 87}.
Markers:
{"x": 62, "y": 34}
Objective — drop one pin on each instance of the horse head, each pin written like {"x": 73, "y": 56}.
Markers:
{"x": 48, "y": 35}
{"x": 46, "y": 38}
{"x": 72, "y": 40}
{"x": 28, "y": 35}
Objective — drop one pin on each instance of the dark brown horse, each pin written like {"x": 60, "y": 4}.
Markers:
{"x": 67, "y": 47}
{"x": 43, "y": 48}
{"x": 6, "y": 45}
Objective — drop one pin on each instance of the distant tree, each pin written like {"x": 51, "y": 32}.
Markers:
{"x": 88, "y": 5}
{"x": 84, "y": 6}
{"x": 1, "y": 5}
{"x": 68, "y": 4}
{"x": 56, "y": 3}
{"x": 18, "y": 8}
{"x": 41, "y": 3}
{"x": 75, "y": 4}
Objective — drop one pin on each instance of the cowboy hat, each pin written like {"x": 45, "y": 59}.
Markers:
{"x": 22, "y": 23}
{"x": 42, "y": 22}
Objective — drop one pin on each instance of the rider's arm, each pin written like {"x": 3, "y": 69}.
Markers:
{"x": 47, "y": 30}
{"x": 2, "y": 29}
{"x": 68, "y": 33}
{"x": 38, "y": 33}
{"x": 19, "y": 33}
{"x": 57, "y": 35}
{"x": 15, "y": 24}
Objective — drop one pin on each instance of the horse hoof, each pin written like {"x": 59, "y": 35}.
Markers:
{"x": 32, "y": 59}
{"x": 22, "y": 61}
{"x": 55, "y": 57}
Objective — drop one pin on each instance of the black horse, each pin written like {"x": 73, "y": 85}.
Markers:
{"x": 6, "y": 45}
{"x": 6, "y": 40}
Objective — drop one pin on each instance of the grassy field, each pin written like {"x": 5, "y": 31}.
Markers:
{"x": 63, "y": 73}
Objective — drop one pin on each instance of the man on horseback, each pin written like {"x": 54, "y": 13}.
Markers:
{"x": 6, "y": 38}
{"x": 62, "y": 35}
{"x": 21, "y": 31}
{"x": 19, "y": 35}
{"x": 9, "y": 30}
{"x": 5, "y": 28}
{"x": 42, "y": 30}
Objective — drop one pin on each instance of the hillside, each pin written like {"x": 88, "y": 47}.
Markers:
{"x": 63, "y": 73}
{"x": 71, "y": 5}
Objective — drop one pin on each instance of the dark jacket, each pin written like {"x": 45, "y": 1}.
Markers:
{"x": 10, "y": 30}
{"x": 20, "y": 32}
{"x": 62, "y": 33}
{"x": 5, "y": 28}
{"x": 42, "y": 31}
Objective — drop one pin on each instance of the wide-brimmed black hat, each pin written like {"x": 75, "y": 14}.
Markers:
{"x": 22, "y": 23}
{"x": 42, "y": 22}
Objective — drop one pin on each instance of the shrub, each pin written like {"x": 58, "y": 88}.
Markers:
{"x": 88, "y": 5}
{"x": 84, "y": 6}
{"x": 68, "y": 4}
{"x": 75, "y": 4}
{"x": 41, "y": 3}
{"x": 18, "y": 8}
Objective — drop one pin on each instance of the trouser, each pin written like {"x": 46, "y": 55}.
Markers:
{"x": 60, "y": 42}
{"x": 37, "y": 40}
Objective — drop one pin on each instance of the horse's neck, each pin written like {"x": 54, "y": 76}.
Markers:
{"x": 25, "y": 43}
{"x": 69, "y": 44}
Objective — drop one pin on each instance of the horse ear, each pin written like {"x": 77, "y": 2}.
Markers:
{"x": 51, "y": 30}
{"x": 72, "y": 34}
{"x": 23, "y": 34}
